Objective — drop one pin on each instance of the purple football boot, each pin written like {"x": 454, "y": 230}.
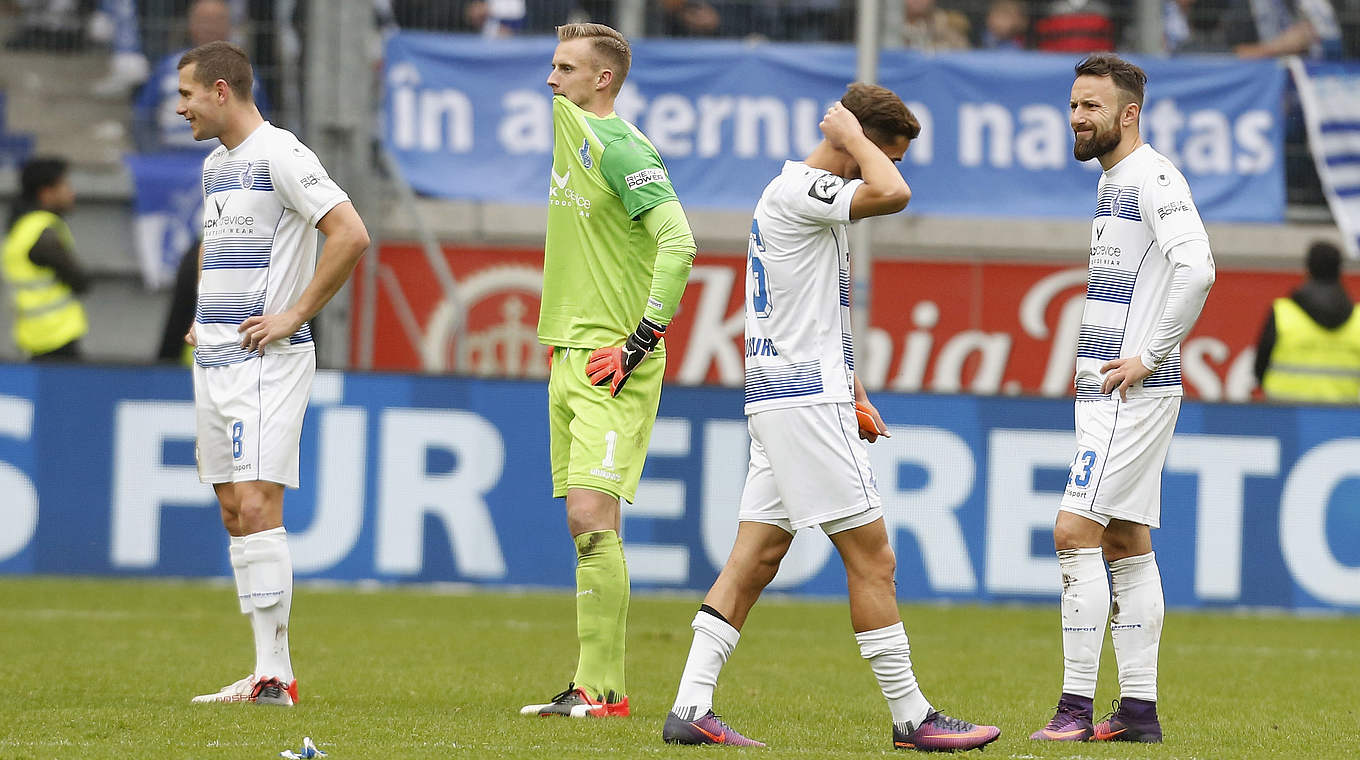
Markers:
{"x": 1071, "y": 722}
{"x": 1133, "y": 720}
{"x": 941, "y": 733}
{"x": 706, "y": 729}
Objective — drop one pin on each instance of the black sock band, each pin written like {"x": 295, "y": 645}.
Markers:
{"x": 714, "y": 613}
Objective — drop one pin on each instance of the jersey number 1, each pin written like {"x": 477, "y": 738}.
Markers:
{"x": 611, "y": 441}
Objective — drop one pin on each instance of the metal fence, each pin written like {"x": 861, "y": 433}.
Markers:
{"x": 132, "y": 47}
{"x": 1182, "y": 26}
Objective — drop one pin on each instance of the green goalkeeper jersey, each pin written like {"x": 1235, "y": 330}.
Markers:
{"x": 598, "y": 257}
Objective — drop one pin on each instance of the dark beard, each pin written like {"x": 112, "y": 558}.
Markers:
{"x": 1097, "y": 145}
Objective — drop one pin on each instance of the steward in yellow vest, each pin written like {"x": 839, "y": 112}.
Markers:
{"x": 40, "y": 271}
{"x": 1309, "y": 350}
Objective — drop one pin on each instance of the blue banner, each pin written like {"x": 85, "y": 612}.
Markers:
{"x": 168, "y": 210}
{"x": 471, "y": 118}
{"x": 423, "y": 478}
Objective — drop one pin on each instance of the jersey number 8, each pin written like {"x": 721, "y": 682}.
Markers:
{"x": 237, "y": 431}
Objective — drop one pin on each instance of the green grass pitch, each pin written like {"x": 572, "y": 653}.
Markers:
{"x": 105, "y": 669}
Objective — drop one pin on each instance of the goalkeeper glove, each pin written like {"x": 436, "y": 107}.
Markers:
{"x": 869, "y": 427}
{"x": 614, "y": 364}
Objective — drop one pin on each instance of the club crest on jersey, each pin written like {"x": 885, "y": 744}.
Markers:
{"x": 585, "y": 153}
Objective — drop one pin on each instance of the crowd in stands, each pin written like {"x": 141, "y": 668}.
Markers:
{"x": 144, "y": 39}
{"x": 139, "y": 31}
{"x": 1246, "y": 28}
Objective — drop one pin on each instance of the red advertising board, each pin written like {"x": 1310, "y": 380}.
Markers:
{"x": 943, "y": 326}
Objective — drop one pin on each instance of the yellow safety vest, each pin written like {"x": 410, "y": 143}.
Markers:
{"x": 1311, "y": 363}
{"x": 47, "y": 315}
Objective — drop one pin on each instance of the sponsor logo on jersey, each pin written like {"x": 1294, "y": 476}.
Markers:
{"x": 826, "y": 187}
{"x": 644, "y": 177}
{"x": 238, "y": 224}
{"x": 1100, "y": 230}
{"x": 561, "y": 195}
{"x": 1172, "y": 208}
{"x": 312, "y": 180}
{"x": 559, "y": 182}
{"x": 585, "y": 153}
{"x": 1111, "y": 251}
{"x": 760, "y": 347}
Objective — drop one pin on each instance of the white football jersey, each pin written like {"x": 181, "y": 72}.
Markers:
{"x": 1143, "y": 210}
{"x": 799, "y": 349}
{"x": 261, "y": 204}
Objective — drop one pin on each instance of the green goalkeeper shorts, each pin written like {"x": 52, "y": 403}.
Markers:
{"x": 598, "y": 441}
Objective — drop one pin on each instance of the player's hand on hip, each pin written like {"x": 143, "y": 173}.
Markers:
{"x": 839, "y": 125}
{"x": 870, "y": 423}
{"x": 1120, "y": 374}
{"x": 258, "y": 332}
{"x": 614, "y": 364}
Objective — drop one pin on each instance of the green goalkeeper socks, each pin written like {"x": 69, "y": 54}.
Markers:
{"x": 601, "y": 612}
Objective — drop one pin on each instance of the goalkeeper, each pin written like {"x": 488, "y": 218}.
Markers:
{"x": 617, "y": 255}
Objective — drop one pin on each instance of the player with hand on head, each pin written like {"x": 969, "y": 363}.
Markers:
{"x": 804, "y": 406}
{"x": 260, "y": 282}
{"x": 616, "y": 258}
{"x": 1149, "y": 274}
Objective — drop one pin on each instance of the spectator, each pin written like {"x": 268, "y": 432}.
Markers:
{"x": 444, "y": 16}
{"x": 816, "y": 21}
{"x": 48, "y": 25}
{"x": 503, "y": 18}
{"x": 179, "y": 317}
{"x": 1309, "y": 349}
{"x": 926, "y": 27}
{"x": 115, "y": 23}
{"x": 1075, "y": 26}
{"x": 40, "y": 267}
{"x": 689, "y": 18}
{"x": 157, "y": 125}
{"x": 1006, "y": 27}
{"x": 1273, "y": 28}
{"x": 1189, "y": 27}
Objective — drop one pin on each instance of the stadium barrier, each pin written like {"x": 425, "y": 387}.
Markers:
{"x": 409, "y": 478}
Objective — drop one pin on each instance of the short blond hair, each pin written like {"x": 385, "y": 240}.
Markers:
{"x": 607, "y": 43}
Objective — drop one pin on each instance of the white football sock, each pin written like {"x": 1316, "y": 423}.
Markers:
{"x": 889, "y": 656}
{"x": 714, "y": 641}
{"x": 237, "y": 550}
{"x": 1137, "y": 625}
{"x": 271, "y": 592}
{"x": 1085, "y": 609}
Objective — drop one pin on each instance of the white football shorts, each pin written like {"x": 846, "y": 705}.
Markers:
{"x": 250, "y": 417}
{"x": 1121, "y": 447}
{"x": 809, "y": 467}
